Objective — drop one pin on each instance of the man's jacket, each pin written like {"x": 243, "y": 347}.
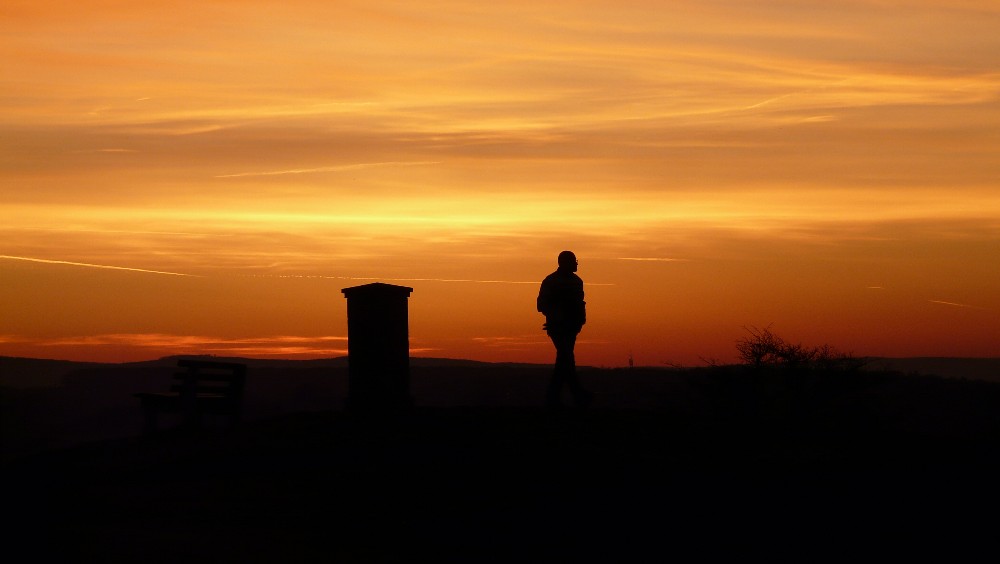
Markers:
{"x": 561, "y": 300}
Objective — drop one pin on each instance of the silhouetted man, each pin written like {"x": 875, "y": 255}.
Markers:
{"x": 561, "y": 300}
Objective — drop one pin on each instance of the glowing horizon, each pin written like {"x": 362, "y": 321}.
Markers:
{"x": 830, "y": 169}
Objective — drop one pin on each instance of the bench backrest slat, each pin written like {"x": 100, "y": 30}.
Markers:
{"x": 201, "y": 389}
{"x": 211, "y": 364}
{"x": 210, "y": 377}
{"x": 207, "y": 377}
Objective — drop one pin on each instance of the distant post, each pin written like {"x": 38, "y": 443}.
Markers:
{"x": 378, "y": 347}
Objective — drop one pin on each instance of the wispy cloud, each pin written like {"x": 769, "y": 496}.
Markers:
{"x": 362, "y": 278}
{"x": 277, "y": 345}
{"x": 381, "y": 279}
{"x": 338, "y": 168}
{"x": 513, "y": 343}
{"x": 89, "y": 265}
{"x": 171, "y": 340}
{"x": 654, "y": 259}
{"x": 953, "y": 304}
{"x": 469, "y": 280}
{"x": 511, "y": 340}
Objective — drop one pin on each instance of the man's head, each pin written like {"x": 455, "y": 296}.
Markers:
{"x": 567, "y": 261}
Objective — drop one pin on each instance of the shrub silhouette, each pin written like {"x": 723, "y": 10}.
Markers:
{"x": 763, "y": 349}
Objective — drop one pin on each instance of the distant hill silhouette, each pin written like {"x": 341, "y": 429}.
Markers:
{"x": 18, "y": 372}
{"x": 949, "y": 367}
{"x": 22, "y": 373}
{"x": 36, "y": 373}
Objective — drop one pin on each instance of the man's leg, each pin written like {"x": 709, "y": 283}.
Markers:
{"x": 565, "y": 367}
{"x": 581, "y": 397}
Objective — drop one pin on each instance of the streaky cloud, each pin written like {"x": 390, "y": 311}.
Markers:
{"x": 654, "y": 259}
{"x": 509, "y": 341}
{"x": 953, "y": 304}
{"x": 338, "y": 168}
{"x": 378, "y": 278}
{"x": 277, "y": 346}
{"x": 101, "y": 266}
{"x": 165, "y": 340}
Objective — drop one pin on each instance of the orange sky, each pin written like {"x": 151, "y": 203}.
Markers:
{"x": 193, "y": 177}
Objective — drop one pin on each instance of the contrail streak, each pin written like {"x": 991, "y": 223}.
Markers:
{"x": 88, "y": 265}
{"x": 438, "y": 280}
{"x": 374, "y": 278}
{"x": 953, "y": 304}
{"x": 654, "y": 259}
{"x": 339, "y": 168}
{"x": 363, "y": 278}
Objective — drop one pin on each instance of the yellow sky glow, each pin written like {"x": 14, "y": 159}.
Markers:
{"x": 714, "y": 164}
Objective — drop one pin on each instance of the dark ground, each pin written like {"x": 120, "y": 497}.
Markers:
{"x": 692, "y": 465}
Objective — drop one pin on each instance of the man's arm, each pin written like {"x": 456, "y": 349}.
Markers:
{"x": 543, "y": 301}
{"x": 582, "y": 314}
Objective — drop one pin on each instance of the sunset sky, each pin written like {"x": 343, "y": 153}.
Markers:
{"x": 192, "y": 177}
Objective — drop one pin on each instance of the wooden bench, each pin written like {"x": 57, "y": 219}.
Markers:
{"x": 201, "y": 388}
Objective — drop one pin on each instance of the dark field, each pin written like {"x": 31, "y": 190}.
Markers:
{"x": 688, "y": 464}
